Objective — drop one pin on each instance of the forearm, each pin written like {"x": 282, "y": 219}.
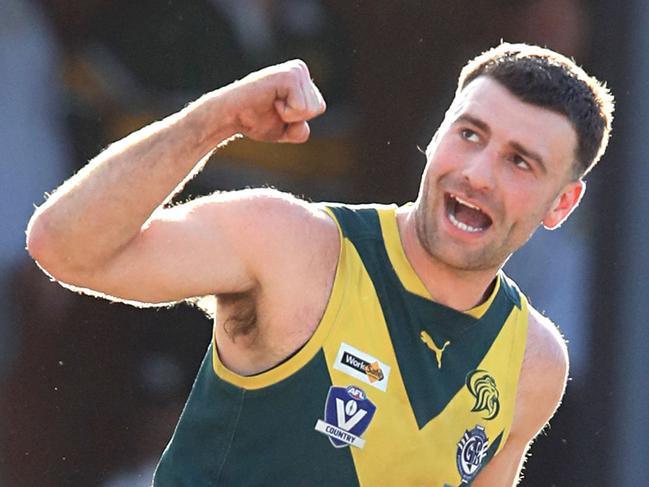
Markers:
{"x": 99, "y": 210}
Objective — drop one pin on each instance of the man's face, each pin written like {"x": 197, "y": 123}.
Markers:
{"x": 497, "y": 168}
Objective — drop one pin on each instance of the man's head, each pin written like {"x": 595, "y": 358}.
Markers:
{"x": 550, "y": 80}
{"x": 525, "y": 125}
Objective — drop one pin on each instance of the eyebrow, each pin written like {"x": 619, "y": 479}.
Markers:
{"x": 517, "y": 146}
{"x": 474, "y": 121}
{"x": 529, "y": 154}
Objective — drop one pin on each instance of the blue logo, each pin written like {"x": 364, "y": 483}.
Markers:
{"x": 348, "y": 413}
{"x": 356, "y": 393}
{"x": 471, "y": 451}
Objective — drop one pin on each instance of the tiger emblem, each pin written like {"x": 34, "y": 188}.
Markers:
{"x": 482, "y": 387}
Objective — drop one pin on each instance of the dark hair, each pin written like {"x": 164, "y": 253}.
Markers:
{"x": 550, "y": 80}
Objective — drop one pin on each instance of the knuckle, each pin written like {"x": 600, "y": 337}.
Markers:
{"x": 294, "y": 73}
{"x": 300, "y": 63}
{"x": 299, "y": 67}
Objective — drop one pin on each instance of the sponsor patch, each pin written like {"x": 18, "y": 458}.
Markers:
{"x": 471, "y": 451}
{"x": 482, "y": 386}
{"x": 348, "y": 413}
{"x": 362, "y": 366}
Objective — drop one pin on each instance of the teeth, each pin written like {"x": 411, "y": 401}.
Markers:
{"x": 462, "y": 226}
{"x": 465, "y": 203}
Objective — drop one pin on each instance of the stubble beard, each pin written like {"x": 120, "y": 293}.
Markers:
{"x": 491, "y": 256}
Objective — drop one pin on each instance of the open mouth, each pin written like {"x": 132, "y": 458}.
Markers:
{"x": 466, "y": 216}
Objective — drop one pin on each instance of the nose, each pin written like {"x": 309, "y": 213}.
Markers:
{"x": 479, "y": 171}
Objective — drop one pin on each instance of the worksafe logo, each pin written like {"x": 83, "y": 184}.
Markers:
{"x": 482, "y": 387}
{"x": 362, "y": 366}
{"x": 373, "y": 372}
{"x": 348, "y": 413}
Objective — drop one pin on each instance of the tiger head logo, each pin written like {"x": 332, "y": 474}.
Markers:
{"x": 483, "y": 388}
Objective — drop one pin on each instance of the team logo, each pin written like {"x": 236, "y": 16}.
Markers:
{"x": 347, "y": 415}
{"x": 471, "y": 451}
{"x": 483, "y": 388}
{"x": 362, "y": 366}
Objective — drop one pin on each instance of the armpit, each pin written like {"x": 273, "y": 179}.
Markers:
{"x": 238, "y": 314}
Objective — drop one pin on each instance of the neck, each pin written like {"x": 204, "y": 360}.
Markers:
{"x": 456, "y": 288}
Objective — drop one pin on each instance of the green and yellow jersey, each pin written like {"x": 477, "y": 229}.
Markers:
{"x": 392, "y": 388}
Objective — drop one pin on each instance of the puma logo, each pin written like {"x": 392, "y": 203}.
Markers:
{"x": 425, "y": 337}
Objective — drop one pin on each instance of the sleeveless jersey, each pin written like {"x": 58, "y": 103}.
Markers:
{"x": 392, "y": 389}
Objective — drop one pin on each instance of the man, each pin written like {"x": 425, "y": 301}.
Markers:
{"x": 366, "y": 345}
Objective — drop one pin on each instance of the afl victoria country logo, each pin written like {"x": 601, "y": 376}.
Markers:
{"x": 348, "y": 413}
{"x": 482, "y": 387}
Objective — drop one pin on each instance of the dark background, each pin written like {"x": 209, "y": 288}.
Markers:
{"x": 90, "y": 391}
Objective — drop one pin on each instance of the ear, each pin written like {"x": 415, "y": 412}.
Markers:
{"x": 564, "y": 204}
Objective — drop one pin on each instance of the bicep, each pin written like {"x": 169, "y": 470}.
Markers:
{"x": 219, "y": 244}
{"x": 212, "y": 245}
{"x": 189, "y": 250}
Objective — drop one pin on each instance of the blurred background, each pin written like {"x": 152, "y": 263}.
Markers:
{"x": 90, "y": 391}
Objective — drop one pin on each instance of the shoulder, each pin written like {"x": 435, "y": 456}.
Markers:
{"x": 260, "y": 216}
{"x": 543, "y": 377}
{"x": 263, "y": 204}
{"x": 276, "y": 224}
{"x": 546, "y": 354}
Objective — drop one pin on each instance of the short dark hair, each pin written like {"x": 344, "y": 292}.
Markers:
{"x": 550, "y": 80}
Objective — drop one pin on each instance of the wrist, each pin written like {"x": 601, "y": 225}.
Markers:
{"x": 212, "y": 118}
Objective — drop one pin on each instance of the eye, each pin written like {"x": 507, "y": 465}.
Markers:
{"x": 521, "y": 163}
{"x": 470, "y": 135}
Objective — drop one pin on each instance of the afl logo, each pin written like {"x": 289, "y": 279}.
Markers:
{"x": 471, "y": 452}
{"x": 356, "y": 393}
{"x": 483, "y": 388}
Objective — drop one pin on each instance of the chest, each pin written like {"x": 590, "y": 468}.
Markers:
{"x": 436, "y": 402}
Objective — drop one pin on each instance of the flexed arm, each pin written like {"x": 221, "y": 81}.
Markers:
{"x": 105, "y": 225}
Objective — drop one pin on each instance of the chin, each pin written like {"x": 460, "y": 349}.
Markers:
{"x": 471, "y": 263}
{"x": 457, "y": 256}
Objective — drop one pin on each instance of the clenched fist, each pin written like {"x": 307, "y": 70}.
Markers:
{"x": 275, "y": 103}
